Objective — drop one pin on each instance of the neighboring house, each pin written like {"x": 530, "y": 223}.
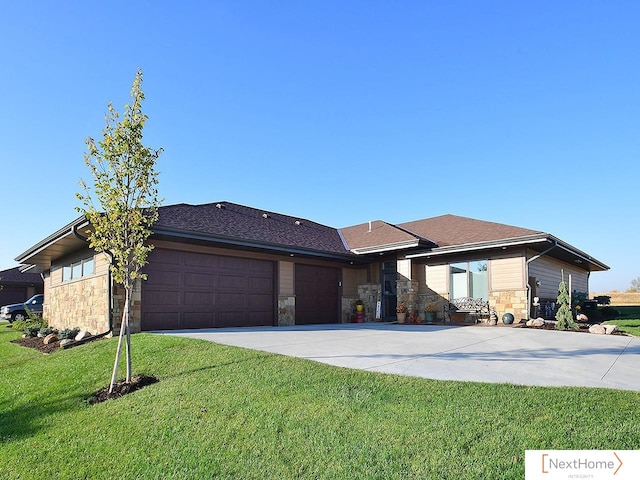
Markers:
{"x": 224, "y": 264}
{"x": 17, "y": 287}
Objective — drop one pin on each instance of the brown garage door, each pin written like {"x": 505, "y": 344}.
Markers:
{"x": 317, "y": 295}
{"x": 196, "y": 290}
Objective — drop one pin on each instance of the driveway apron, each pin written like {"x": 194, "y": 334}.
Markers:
{"x": 468, "y": 353}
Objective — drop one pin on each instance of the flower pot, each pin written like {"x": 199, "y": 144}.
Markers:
{"x": 430, "y": 317}
{"x": 359, "y": 307}
{"x": 402, "y": 317}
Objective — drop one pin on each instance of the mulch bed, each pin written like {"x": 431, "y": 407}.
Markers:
{"x": 583, "y": 328}
{"x": 38, "y": 344}
{"x": 122, "y": 387}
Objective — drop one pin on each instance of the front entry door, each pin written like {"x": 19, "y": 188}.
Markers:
{"x": 389, "y": 291}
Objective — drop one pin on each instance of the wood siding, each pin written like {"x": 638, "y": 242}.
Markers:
{"x": 547, "y": 271}
{"x": 286, "y": 278}
{"x": 351, "y": 278}
{"x": 506, "y": 273}
{"x": 435, "y": 279}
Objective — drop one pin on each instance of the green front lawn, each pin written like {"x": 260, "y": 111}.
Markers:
{"x": 231, "y": 413}
{"x": 629, "y": 326}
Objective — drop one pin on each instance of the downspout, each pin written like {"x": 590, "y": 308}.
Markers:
{"x": 109, "y": 294}
{"x": 526, "y": 272}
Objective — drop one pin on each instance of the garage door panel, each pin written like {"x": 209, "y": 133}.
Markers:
{"x": 200, "y": 280}
{"x": 260, "y": 284}
{"x": 199, "y": 319}
{"x": 164, "y": 278}
{"x": 163, "y": 297}
{"x": 199, "y": 298}
{"x": 233, "y": 283}
{"x": 258, "y": 268}
{"x": 168, "y": 257}
{"x": 259, "y": 301}
{"x": 317, "y": 294}
{"x": 161, "y": 320}
{"x": 201, "y": 260}
{"x": 194, "y": 290}
{"x": 233, "y": 263}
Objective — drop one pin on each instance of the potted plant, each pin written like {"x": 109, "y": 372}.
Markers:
{"x": 430, "y": 313}
{"x": 401, "y": 311}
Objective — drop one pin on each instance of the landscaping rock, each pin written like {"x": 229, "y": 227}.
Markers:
{"x": 582, "y": 318}
{"x": 82, "y": 334}
{"x": 492, "y": 321}
{"x": 597, "y": 329}
{"x": 65, "y": 341}
{"x": 52, "y": 337}
{"x": 538, "y": 322}
{"x": 610, "y": 329}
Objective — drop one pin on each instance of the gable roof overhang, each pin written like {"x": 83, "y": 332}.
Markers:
{"x": 64, "y": 242}
{"x": 550, "y": 245}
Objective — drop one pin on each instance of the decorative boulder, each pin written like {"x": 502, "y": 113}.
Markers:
{"x": 538, "y": 322}
{"x": 65, "y": 341}
{"x": 82, "y": 334}
{"x": 609, "y": 329}
{"x": 492, "y": 321}
{"x": 582, "y": 318}
{"x": 597, "y": 329}
{"x": 52, "y": 337}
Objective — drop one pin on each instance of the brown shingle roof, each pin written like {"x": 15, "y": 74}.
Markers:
{"x": 448, "y": 230}
{"x": 225, "y": 220}
{"x": 13, "y": 276}
{"x": 378, "y": 234}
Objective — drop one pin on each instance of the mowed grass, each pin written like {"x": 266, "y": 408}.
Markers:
{"x": 629, "y": 320}
{"x": 230, "y": 413}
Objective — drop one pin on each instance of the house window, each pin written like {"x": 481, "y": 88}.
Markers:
{"x": 469, "y": 279}
{"x": 79, "y": 269}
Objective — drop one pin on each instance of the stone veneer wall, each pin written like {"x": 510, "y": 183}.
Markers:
{"x": 408, "y": 294}
{"x": 436, "y": 303}
{"x": 509, "y": 301}
{"x": 82, "y": 304}
{"x": 370, "y": 294}
{"x": 135, "y": 311}
{"x": 286, "y": 310}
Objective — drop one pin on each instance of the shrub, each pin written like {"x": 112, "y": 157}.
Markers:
{"x": 44, "y": 331}
{"x": 19, "y": 325}
{"x": 564, "y": 316}
{"x": 69, "y": 333}
{"x": 31, "y": 330}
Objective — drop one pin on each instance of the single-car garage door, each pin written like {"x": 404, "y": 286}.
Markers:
{"x": 317, "y": 294}
{"x": 197, "y": 290}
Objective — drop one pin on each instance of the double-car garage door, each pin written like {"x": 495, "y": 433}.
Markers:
{"x": 197, "y": 290}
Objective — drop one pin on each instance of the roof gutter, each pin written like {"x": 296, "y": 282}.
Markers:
{"x": 68, "y": 229}
{"x": 468, "y": 247}
{"x": 387, "y": 247}
{"x": 288, "y": 250}
{"x": 109, "y": 286}
{"x": 526, "y": 273}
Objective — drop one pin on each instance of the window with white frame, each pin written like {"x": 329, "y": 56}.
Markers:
{"x": 78, "y": 269}
{"x": 469, "y": 279}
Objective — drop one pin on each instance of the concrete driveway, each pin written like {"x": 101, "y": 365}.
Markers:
{"x": 470, "y": 353}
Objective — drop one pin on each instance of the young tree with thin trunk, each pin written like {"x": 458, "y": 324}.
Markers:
{"x": 123, "y": 203}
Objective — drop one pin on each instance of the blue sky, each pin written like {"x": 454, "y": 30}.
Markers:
{"x": 525, "y": 113}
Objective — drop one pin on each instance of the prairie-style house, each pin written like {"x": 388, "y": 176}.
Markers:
{"x": 223, "y": 264}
